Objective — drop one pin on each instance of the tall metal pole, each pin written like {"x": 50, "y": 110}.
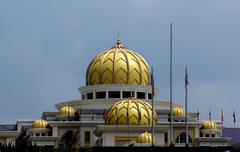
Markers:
{"x": 152, "y": 122}
{"x": 186, "y": 109}
{"x": 171, "y": 114}
{"x": 153, "y": 95}
{"x": 198, "y": 113}
{"x": 234, "y": 118}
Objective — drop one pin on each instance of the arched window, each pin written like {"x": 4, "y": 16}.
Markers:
{"x": 182, "y": 138}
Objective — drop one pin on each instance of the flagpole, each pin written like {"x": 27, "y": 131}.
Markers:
{"x": 171, "y": 115}
{"x": 153, "y": 95}
{"x": 186, "y": 109}
{"x": 210, "y": 114}
{"x": 198, "y": 113}
{"x": 222, "y": 117}
{"x": 234, "y": 119}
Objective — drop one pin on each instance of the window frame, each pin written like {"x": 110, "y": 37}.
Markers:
{"x": 86, "y": 142}
{"x": 181, "y": 138}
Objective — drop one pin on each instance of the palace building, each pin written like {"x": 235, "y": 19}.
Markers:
{"x": 115, "y": 110}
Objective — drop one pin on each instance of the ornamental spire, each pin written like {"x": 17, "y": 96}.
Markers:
{"x": 118, "y": 44}
{"x": 118, "y": 39}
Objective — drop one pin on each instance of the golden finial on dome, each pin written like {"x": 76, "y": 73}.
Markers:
{"x": 130, "y": 112}
{"x": 40, "y": 123}
{"x": 118, "y": 44}
{"x": 118, "y": 39}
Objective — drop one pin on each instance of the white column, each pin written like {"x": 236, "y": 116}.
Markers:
{"x": 55, "y": 131}
{"x": 146, "y": 95}
{"x": 196, "y": 131}
{"x": 94, "y": 94}
{"x": 121, "y": 93}
{"x": 107, "y": 94}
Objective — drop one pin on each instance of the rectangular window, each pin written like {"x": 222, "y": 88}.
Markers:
{"x": 43, "y": 134}
{"x": 90, "y": 95}
{"x": 141, "y": 95}
{"x": 114, "y": 94}
{"x": 49, "y": 133}
{"x": 37, "y": 134}
{"x": 87, "y": 137}
{"x": 149, "y": 96}
{"x": 100, "y": 95}
{"x": 127, "y": 94}
{"x": 83, "y": 96}
{"x": 207, "y": 135}
{"x": 213, "y": 135}
{"x": 166, "y": 137}
{"x": 169, "y": 117}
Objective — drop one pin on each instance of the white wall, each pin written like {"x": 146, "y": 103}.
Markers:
{"x": 109, "y": 138}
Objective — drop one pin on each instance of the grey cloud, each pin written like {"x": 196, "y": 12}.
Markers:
{"x": 45, "y": 47}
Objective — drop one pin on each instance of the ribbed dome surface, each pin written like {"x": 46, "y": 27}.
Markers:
{"x": 145, "y": 138}
{"x": 66, "y": 111}
{"x": 40, "y": 123}
{"x": 118, "y": 65}
{"x": 209, "y": 124}
{"x": 130, "y": 112}
{"x": 178, "y": 112}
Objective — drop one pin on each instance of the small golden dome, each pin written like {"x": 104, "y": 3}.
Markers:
{"x": 40, "y": 123}
{"x": 178, "y": 112}
{"x": 209, "y": 124}
{"x": 66, "y": 111}
{"x": 130, "y": 112}
{"x": 118, "y": 65}
{"x": 145, "y": 138}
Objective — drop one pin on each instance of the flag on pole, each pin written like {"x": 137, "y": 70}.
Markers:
{"x": 210, "y": 115}
{"x": 234, "y": 116}
{"x": 186, "y": 80}
{"x": 222, "y": 116}
{"x": 152, "y": 81}
{"x": 186, "y": 109}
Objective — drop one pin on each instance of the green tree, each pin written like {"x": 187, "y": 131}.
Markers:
{"x": 23, "y": 142}
{"x": 69, "y": 141}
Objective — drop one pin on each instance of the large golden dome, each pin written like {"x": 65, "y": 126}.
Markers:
{"x": 118, "y": 65}
{"x": 40, "y": 123}
{"x": 209, "y": 124}
{"x": 130, "y": 112}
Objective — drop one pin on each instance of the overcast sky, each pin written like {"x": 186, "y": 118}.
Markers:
{"x": 45, "y": 47}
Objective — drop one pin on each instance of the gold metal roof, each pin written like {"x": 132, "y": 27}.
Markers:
{"x": 130, "y": 112}
{"x": 40, "y": 123}
{"x": 118, "y": 65}
{"x": 178, "y": 112}
{"x": 145, "y": 138}
{"x": 209, "y": 124}
{"x": 66, "y": 111}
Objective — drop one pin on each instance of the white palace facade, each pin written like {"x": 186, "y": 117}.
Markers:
{"x": 115, "y": 110}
